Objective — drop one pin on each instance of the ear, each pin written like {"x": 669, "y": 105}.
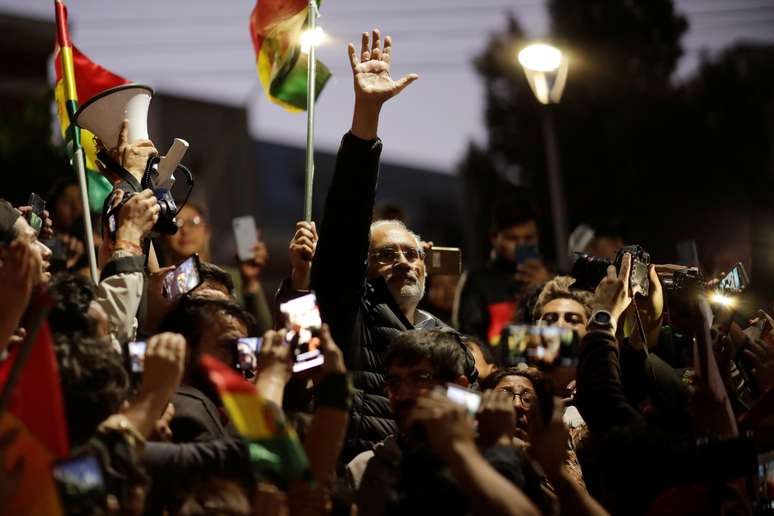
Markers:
{"x": 462, "y": 380}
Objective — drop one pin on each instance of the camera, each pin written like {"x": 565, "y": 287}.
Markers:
{"x": 589, "y": 270}
{"x": 130, "y": 186}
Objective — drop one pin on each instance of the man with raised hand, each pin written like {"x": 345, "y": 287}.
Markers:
{"x": 369, "y": 278}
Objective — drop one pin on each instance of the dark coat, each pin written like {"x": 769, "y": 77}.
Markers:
{"x": 361, "y": 313}
{"x": 197, "y": 418}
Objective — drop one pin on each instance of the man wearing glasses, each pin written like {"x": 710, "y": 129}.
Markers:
{"x": 369, "y": 278}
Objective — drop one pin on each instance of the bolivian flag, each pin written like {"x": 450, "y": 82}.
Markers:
{"x": 274, "y": 445}
{"x": 79, "y": 78}
{"x": 276, "y": 27}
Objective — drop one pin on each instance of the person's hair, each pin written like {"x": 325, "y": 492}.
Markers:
{"x": 532, "y": 374}
{"x": 390, "y": 211}
{"x": 443, "y": 349}
{"x": 8, "y": 217}
{"x": 398, "y": 224}
{"x": 486, "y": 350}
{"x": 511, "y": 212}
{"x": 193, "y": 314}
{"x": 200, "y": 207}
{"x": 72, "y": 294}
{"x": 214, "y": 495}
{"x": 211, "y": 272}
{"x": 94, "y": 383}
{"x": 559, "y": 288}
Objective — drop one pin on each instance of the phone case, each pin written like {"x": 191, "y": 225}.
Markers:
{"x": 245, "y": 235}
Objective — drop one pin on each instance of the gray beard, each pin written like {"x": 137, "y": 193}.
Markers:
{"x": 410, "y": 294}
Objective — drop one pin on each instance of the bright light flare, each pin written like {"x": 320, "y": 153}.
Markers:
{"x": 539, "y": 57}
{"x": 722, "y": 299}
{"x": 311, "y": 38}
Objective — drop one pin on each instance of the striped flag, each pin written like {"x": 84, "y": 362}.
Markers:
{"x": 274, "y": 445}
{"x": 276, "y": 27}
{"x": 79, "y": 78}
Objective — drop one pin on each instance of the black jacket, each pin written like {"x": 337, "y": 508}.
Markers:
{"x": 361, "y": 313}
{"x": 197, "y": 418}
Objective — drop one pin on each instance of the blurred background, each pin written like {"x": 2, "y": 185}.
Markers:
{"x": 665, "y": 129}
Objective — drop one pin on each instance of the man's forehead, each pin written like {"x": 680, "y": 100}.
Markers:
{"x": 516, "y": 381}
{"x": 386, "y": 236}
{"x": 564, "y": 304}
{"x": 24, "y": 230}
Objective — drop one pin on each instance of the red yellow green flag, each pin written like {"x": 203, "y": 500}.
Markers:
{"x": 274, "y": 445}
{"x": 79, "y": 78}
{"x": 276, "y": 27}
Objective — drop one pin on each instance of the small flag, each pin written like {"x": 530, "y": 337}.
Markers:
{"x": 79, "y": 78}
{"x": 274, "y": 445}
{"x": 36, "y": 410}
{"x": 276, "y": 27}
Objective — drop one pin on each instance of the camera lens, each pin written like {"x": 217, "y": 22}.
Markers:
{"x": 589, "y": 270}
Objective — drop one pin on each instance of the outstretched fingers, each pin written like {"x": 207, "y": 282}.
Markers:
{"x": 365, "y": 54}
{"x": 387, "y": 51}
{"x": 405, "y": 81}
{"x": 353, "y": 61}
{"x": 376, "y": 42}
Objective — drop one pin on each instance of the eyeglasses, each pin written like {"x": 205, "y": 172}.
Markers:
{"x": 527, "y": 397}
{"x": 192, "y": 223}
{"x": 551, "y": 318}
{"x": 388, "y": 255}
{"x": 415, "y": 381}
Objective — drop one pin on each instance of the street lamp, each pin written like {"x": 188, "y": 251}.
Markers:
{"x": 546, "y": 69}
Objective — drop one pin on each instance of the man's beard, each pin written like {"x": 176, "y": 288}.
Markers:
{"x": 410, "y": 292}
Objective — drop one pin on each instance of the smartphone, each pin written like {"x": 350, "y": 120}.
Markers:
{"x": 444, "y": 261}
{"x": 245, "y": 236}
{"x": 81, "y": 485}
{"x": 183, "y": 279}
{"x": 35, "y": 216}
{"x": 527, "y": 252}
{"x": 735, "y": 281}
{"x": 247, "y": 349}
{"x": 303, "y": 322}
{"x": 541, "y": 345}
{"x": 137, "y": 355}
{"x": 468, "y": 398}
{"x": 766, "y": 480}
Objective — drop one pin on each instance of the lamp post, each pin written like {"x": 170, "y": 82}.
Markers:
{"x": 546, "y": 70}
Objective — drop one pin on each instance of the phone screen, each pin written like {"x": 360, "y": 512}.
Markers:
{"x": 444, "y": 260}
{"x": 303, "y": 323}
{"x": 469, "y": 399}
{"x": 735, "y": 281}
{"x": 137, "y": 355}
{"x": 35, "y": 216}
{"x": 247, "y": 349}
{"x": 183, "y": 279}
{"x": 81, "y": 485}
{"x": 766, "y": 480}
{"x": 539, "y": 344}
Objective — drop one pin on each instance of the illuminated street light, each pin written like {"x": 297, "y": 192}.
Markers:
{"x": 546, "y": 70}
{"x": 312, "y": 38}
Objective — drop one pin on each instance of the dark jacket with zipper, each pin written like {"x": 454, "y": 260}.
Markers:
{"x": 361, "y": 313}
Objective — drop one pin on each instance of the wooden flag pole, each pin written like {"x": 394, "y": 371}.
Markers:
{"x": 310, "y": 104}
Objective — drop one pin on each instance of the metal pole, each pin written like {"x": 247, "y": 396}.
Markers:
{"x": 310, "y": 94}
{"x": 558, "y": 213}
{"x": 80, "y": 169}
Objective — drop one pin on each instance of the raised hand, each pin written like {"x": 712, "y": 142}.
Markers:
{"x": 251, "y": 269}
{"x": 371, "y": 70}
{"x": 302, "y": 249}
{"x": 613, "y": 293}
{"x": 132, "y": 156}
{"x": 373, "y": 83}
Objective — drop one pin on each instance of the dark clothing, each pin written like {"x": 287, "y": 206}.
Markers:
{"x": 488, "y": 299}
{"x": 175, "y": 468}
{"x": 197, "y": 418}
{"x": 401, "y": 480}
{"x": 361, "y": 313}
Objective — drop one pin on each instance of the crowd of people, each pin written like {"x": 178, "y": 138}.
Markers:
{"x": 616, "y": 388}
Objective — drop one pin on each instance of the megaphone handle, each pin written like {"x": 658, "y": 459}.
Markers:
{"x": 169, "y": 163}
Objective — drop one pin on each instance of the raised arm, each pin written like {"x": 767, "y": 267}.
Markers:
{"x": 339, "y": 267}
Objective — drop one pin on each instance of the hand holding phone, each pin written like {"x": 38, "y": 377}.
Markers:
{"x": 303, "y": 323}
{"x": 183, "y": 279}
{"x": 35, "y": 215}
{"x": 735, "y": 282}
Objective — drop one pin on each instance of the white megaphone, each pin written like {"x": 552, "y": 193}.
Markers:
{"x": 104, "y": 113}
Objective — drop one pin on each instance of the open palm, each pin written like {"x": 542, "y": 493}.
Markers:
{"x": 371, "y": 70}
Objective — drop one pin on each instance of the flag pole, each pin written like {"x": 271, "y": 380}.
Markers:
{"x": 311, "y": 73}
{"x": 79, "y": 162}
